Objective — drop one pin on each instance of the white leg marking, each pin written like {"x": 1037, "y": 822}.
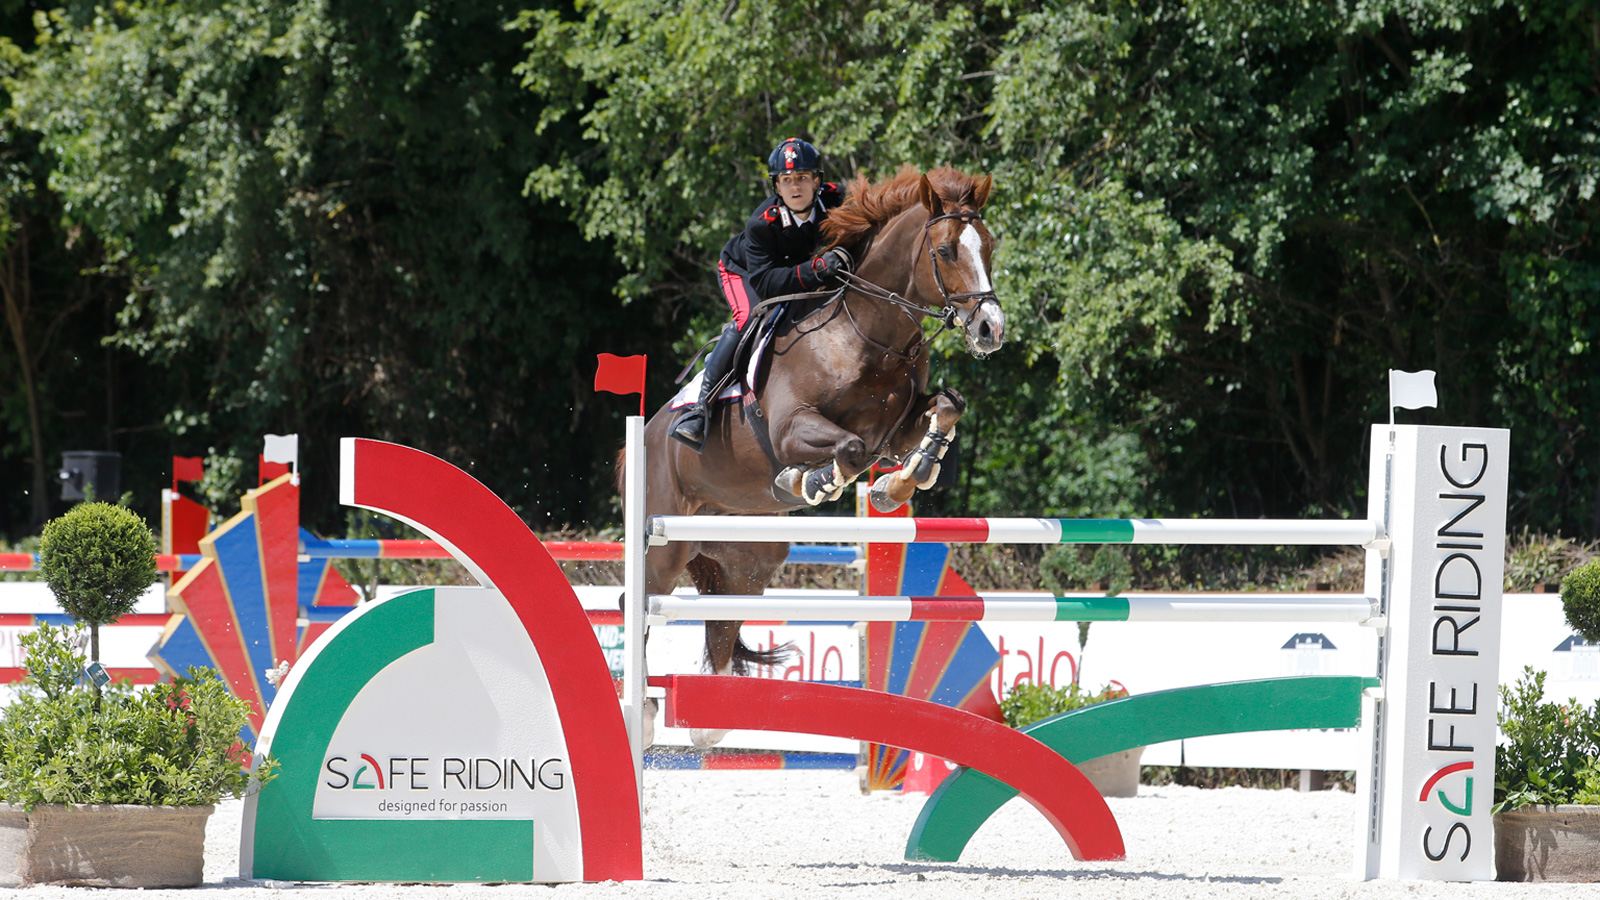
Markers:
{"x": 706, "y": 738}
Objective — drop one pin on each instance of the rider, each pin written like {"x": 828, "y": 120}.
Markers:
{"x": 774, "y": 256}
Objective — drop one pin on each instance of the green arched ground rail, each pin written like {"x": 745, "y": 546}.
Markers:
{"x": 967, "y": 798}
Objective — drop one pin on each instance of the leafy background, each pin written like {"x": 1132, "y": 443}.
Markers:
{"x": 1219, "y": 222}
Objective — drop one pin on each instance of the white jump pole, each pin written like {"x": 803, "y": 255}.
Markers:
{"x": 633, "y": 608}
{"x": 1019, "y": 607}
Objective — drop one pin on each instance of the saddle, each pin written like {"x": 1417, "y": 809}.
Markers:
{"x": 741, "y": 379}
{"x": 742, "y": 374}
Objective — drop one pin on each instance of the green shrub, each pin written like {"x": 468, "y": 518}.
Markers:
{"x": 1029, "y": 703}
{"x": 1580, "y": 599}
{"x": 1550, "y": 752}
{"x": 171, "y": 744}
{"x": 98, "y": 559}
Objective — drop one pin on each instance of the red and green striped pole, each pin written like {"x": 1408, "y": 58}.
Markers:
{"x": 1275, "y": 532}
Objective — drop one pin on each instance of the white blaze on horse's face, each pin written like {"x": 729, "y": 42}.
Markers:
{"x": 984, "y": 324}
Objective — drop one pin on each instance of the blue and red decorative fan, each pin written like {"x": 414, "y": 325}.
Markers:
{"x": 946, "y": 662}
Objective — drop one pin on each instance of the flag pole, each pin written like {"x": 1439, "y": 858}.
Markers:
{"x": 1391, "y": 399}
{"x": 641, "y": 392}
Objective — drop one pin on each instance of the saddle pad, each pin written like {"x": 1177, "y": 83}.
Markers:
{"x": 686, "y": 395}
{"x": 691, "y": 389}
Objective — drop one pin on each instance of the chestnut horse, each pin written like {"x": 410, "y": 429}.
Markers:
{"x": 846, "y": 385}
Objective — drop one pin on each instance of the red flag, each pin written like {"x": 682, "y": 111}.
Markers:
{"x": 266, "y": 471}
{"x": 621, "y": 375}
{"x": 188, "y": 468}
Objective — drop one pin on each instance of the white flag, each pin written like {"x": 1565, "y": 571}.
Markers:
{"x": 1412, "y": 390}
{"x": 282, "y": 448}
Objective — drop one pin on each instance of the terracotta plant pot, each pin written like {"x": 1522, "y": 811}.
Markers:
{"x": 1548, "y": 843}
{"x": 1115, "y": 774}
{"x": 103, "y": 845}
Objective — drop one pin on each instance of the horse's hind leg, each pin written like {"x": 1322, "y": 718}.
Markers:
{"x": 738, "y": 569}
{"x": 919, "y": 453}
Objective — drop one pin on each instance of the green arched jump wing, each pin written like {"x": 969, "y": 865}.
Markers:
{"x": 968, "y": 798}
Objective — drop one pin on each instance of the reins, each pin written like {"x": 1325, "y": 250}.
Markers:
{"x": 948, "y": 315}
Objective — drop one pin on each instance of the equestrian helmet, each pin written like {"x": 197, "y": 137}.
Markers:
{"x": 794, "y": 155}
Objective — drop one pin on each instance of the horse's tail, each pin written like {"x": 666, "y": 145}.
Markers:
{"x": 621, "y": 470}
{"x": 744, "y": 657}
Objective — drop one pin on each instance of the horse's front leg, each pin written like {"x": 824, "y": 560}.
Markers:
{"x": 919, "y": 445}
{"x": 808, "y": 439}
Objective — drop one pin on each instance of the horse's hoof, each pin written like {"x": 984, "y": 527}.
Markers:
{"x": 789, "y": 480}
{"x": 647, "y": 734}
{"x": 879, "y": 495}
{"x": 706, "y": 738}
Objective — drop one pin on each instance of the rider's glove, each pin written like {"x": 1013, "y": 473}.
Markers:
{"x": 829, "y": 267}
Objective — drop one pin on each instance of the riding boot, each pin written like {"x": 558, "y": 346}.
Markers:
{"x": 690, "y": 427}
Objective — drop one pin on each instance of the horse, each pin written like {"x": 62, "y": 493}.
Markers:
{"x": 846, "y": 386}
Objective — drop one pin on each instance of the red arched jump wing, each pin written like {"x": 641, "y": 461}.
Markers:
{"x": 1044, "y": 778}
{"x": 486, "y": 536}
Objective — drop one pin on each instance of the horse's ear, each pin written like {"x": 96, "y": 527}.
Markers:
{"x": 930, "y": 198}
{"x": 980, "y": 192}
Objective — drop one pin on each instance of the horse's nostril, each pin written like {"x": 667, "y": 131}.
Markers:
{"x": 985, "y": 332}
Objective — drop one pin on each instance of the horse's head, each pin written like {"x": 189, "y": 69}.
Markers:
{"x": 959, "y": 248}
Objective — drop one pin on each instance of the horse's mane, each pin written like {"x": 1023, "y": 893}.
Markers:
{"x": 868, "y": 207}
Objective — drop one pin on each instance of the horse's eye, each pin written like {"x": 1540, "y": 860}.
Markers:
{"x": 947, "y": 252}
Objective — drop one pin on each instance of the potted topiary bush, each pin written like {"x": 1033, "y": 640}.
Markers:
{"x": 110, "y": 786}
{"x": 98, "y": 559}
{"x": 1546, "y": 787}
{"x": 1580, "y": 599}
{"x": 1113, "y": 775}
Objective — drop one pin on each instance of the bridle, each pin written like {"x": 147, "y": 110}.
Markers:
{"x": 951, "y": 300}
{"x": 948, "y": 315}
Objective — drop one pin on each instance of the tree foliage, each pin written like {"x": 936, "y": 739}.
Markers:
{"x": 320, "y": 209}
{"x": 1328, "y": 195}
{"x": 1219, "y": 223}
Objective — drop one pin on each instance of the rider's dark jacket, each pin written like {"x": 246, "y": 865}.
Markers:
{"x": 773, "y": 254}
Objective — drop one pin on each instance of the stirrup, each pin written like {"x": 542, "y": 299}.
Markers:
{"x": 690, "y": 428}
